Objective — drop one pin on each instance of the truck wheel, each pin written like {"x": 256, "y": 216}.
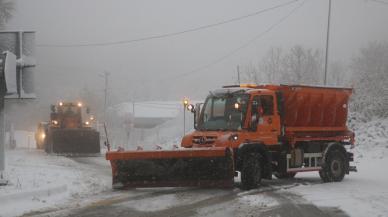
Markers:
{"x": 285, "y": 175}
{"x": 251, "y": 171}
{"x": 334, "y": 168}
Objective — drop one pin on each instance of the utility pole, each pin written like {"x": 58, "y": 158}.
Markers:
{"x": 3, "y": 92}
{"x": 132, "y": 126}
{"x": 185, "y": 104}
{"x": 238, "y": 74}
{"x": 3, "y": 181}
{"x": 106, "y": 75}
{"x": 133, "y": 109}
{"x": 327, "y": 42}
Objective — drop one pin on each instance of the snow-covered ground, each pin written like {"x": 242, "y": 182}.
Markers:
{"x": 37, "y": 180}
{"x": 45, "y": 182}
{"x": 364, "y": 193}
{"x": 360, "y": 194}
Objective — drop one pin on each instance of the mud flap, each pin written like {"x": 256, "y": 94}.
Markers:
{"x": 210, "y": 167}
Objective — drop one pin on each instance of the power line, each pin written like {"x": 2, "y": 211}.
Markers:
{"x": 242, "y": 46}
{"x": 98, "y": 44}
{"x": 155, "y": 106}
{"x": 157, "y": 103}
{"x": 380, "y": 1}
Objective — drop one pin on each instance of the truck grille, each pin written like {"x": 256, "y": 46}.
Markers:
{"x": 204, "y": 140}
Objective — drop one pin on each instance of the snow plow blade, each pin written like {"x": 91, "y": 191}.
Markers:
{"x": 202, "y": 167}
{"x": 73, "y": 142}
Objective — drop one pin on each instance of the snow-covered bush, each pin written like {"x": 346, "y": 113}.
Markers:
{"x": 6, "y": 9}
{"x": 370, "y": 77}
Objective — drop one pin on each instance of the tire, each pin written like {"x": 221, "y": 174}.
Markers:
{"x": 251, "y": 171}
{"x": 334, "y": 168}
{"x": 285, "y": 175}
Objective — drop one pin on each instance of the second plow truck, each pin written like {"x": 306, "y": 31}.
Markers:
{"x": 68, "y": 133}
{"x": 255, "y": 130}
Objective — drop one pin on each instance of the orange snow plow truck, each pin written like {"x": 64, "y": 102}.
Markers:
{"x": 255, "y": 130}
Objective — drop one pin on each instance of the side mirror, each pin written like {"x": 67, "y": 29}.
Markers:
{"x": 191, "y": 108}
{"x": 254, "y": 122}
{"x": 52, "y": 107}
{"x": 255, "y": 114}
{"x": 197, "y": 114}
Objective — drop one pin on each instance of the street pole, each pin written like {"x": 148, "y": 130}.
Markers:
{"x": 106, "y": 74}
{"x": 184, "y": 120}
{"x": 132, "y": 124}
{"x": 185, "y": 103}
{"x": 327, "y": 42}
{"x": 238, "y": 74}
{"x": 3, "y": 91}
{"x": 3, "y": 181}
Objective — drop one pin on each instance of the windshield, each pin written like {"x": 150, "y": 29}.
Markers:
{"x": 224, "y": 112}
{"x": 69, "y": 109}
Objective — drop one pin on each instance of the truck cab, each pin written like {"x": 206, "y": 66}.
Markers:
{"x": 69, "y": 115}
{"x": 232, "y": 116}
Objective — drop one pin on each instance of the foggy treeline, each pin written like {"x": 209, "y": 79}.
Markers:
{"x": 370, "y": 76}
{"x": 366, "y": 72}
{"x": 292, "y": 66}
{"x": 6, "y": 9}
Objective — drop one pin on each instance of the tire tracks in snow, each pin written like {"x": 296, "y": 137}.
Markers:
{"x": 292, "y": 205}
{"x": 113, "y": 208}
{"x": 115, "y": 205}
{"x": 98, "y": 203}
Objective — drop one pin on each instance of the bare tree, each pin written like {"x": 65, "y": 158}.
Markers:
{"x": 251, "y": 74}
{"x": 271, "y": 65}
{"x": 370, "y": 76}
{"x": 298, "y": 65}
{"x": 6, "y": 10}
{"x": 302, "y": 66}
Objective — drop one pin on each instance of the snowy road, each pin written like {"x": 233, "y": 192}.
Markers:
{"x": 269, "y": 200}
{"x": 88, "y": 192}
{"x": 48, "y": 185}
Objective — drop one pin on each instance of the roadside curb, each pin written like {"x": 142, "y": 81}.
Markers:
{"x": 16, "y": 197}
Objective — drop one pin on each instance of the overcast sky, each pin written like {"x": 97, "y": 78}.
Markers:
{"x": 152, "y": 69}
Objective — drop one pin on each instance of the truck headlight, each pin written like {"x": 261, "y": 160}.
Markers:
{"x": 233, "y": 137}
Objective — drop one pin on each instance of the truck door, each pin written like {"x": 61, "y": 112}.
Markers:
{"x": 268, "y": 122}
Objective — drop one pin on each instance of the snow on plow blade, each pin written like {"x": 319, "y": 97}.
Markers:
{"x": 73, "y": 142}
{"x": 203, "y": 167}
